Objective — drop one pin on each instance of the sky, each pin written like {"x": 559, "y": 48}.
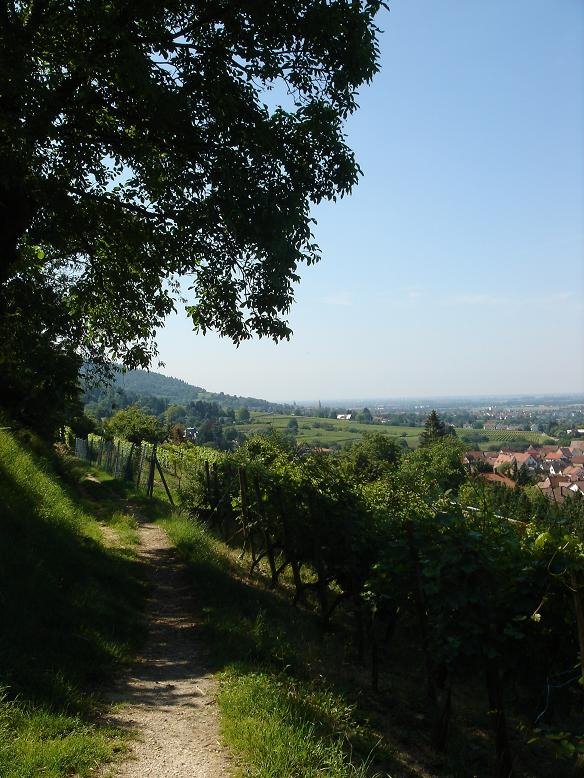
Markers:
{"x": 456, "y": 266}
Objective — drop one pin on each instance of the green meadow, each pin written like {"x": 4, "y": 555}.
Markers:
{"x": 339, "y": 432}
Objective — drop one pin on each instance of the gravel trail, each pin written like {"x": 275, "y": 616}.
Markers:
{"x": 169, "y": 697}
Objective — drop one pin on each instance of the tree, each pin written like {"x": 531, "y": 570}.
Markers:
{"x": 372, "y": 457}
{"x": 365, "y": 416}
{"x": 439, "y": 463}
{"x": 39, "y": 364}
{"x": 175, "y": 414}
{"x": 293, "y": 426}
{"x": 177, "y": 434}
{"x": 243, "y": 415}
{"x": 137, "y": 147}
{"x": 434, "y": 429}
{"x": 134, "y": 425}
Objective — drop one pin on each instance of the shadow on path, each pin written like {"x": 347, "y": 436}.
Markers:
{"x": 169, "y": 695}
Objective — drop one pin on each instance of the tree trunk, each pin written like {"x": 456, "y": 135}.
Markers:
{"x": 299, "y": 596}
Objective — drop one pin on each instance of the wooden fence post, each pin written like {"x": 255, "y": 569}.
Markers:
{"x": 128, "y": 465}
{"x": 150, "y": 485}
{"x": 140, "y": 463}
{"x": 168, "y": 494}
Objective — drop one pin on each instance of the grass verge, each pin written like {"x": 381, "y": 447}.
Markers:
{"x": 70, "y": 611}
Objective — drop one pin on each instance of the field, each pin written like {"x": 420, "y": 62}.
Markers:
{"x": 338, "y": 432}
{"x": 325, "y": 432}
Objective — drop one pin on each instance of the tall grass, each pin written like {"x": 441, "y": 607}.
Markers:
{"x": 69, "y": 616}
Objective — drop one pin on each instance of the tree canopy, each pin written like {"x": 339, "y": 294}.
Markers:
{"x": 146, "y": 142}
{"x": 134, "y": 425}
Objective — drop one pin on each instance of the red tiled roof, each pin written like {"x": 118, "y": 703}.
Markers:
{"x": 503, "y": 458}
{"x": 573, "y": 470}
{"x": 521, "y": 459}
{"x": 499, "y": 479}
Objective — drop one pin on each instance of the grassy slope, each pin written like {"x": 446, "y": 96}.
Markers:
{"x": 65, "y": 627}
{"x": 341, "y": 432}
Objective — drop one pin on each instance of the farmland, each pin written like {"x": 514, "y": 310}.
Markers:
{"x": 326, "y": 433}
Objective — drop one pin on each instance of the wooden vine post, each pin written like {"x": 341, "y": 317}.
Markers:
{"x": 150, "y": 484}
{"x": 140, "y": 466}
{"x": 128, "y": 466}
{"x": 163, "y": 479}
{"x": 266, "y": 533}
{"x": 247, "y": 535}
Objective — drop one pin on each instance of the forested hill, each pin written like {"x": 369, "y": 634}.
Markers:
{"x": 172, "y": 389}
{"x": 134, "y": 385}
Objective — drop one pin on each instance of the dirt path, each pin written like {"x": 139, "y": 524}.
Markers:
{"x": 168, "y": 697}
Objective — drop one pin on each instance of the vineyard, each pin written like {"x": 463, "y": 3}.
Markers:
{"x": 325, "y": 432}
{"x": 377, "y": 542}
{"x": 505, "y": 435}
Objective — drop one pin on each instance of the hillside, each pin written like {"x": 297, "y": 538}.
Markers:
{"x": 137, "y": 384}
{"x": 174, "y": 390}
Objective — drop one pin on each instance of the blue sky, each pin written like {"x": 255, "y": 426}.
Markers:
{"x": 457, "y": 265}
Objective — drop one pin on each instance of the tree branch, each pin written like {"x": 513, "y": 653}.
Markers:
{"x": 132, "y": 207}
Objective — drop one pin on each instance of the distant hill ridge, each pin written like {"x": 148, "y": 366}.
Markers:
{"x": 179, "y": 392}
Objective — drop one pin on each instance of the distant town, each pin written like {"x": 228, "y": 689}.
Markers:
{"x": 527, "y": 441}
